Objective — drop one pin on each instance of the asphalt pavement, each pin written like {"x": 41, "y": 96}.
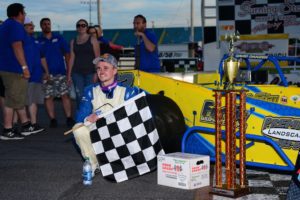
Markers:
{"x": 47, "y": 166}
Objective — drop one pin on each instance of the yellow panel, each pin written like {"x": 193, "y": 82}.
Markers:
{"x": 191, "y": 97}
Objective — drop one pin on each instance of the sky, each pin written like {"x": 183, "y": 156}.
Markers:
{"x": 116, "y": 14}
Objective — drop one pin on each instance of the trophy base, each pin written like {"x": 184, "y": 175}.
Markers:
{"x": 233, "y": 193}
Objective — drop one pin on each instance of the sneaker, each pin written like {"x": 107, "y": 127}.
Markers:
{"x": 38, "y": 127}
{"x": 53, "y": 123}
{"x": 70, "y": 122}
{"x": 16, "y": 128}
{"x": 31, "y": 129}
{"x": 11, "y": 135}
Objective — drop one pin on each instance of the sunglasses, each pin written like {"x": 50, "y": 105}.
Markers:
{"x": 81, "y": 25}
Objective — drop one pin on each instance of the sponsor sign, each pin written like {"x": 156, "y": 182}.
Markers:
{"x": 284, "y": 100}
{"x": 173, "y": 51}
{"x": 207, "y": 113}
{"x": 295, "y": 98}
{"x": 260, "y": 45}
{"x": 285, "y": 130}
{"x": 264, "y": 96}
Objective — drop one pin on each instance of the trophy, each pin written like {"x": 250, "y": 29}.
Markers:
{"x": 235, "y": 110}
{"x": 231, "y": 64}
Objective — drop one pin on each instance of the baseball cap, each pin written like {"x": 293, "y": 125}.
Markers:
{"x": 106, "y": 58}
{"x": 27, "y": 20}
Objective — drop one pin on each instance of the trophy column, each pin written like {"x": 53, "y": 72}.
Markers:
{"x": 230, "y": 188}
{"x": 243, "y": 180}
{"x": 218, "y": 144}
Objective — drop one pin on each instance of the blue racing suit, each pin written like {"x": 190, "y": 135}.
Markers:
{"x": 95, "y": 100}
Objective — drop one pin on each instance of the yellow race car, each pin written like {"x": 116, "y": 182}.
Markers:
{"x": 273, "y": 117}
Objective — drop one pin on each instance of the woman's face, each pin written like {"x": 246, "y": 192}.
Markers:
{"x": 106, "y": 73}
{"x": 81, "y": 27}
{"x": 93, "y": 32}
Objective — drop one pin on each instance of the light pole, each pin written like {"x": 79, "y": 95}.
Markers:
{"x": 192, "y": 21}
{"x": 90, "y": 2}
{"x": 99, "y": 12}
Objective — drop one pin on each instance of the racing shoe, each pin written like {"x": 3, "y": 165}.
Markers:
{"x": 11, "y": 134}
{"x": 31, "y": 129}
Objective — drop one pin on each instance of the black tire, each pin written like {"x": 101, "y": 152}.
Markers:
{"x": 169, "y": 121}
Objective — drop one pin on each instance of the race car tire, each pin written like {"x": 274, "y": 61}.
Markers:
{"x": 169, "y": 121}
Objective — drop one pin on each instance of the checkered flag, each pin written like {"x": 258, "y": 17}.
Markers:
{"x": 126, "y": 141}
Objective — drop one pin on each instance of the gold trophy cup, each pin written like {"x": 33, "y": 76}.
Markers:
{"x": 231, "y": 64}
{"x": 231, "y": 68}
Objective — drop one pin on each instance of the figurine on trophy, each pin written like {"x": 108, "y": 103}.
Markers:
{"x": 231, "y": 64}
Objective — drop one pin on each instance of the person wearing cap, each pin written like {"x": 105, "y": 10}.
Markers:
{"x": 14, "y": 71}
{"x": 99, "y": 98}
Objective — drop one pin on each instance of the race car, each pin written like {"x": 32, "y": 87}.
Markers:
{"x": 272, "y": 120}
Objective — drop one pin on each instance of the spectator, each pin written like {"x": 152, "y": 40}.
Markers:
{"x": 14, "y": 71}
{"x": 1, "y": 86}
{"x": 84, "y": 48}
{"x": 98, "y": 98}
{"x": 106, "y": 46}
{"x": 146, "y": 52}
{"x": 106, "y": 41}
{"x": 57, "y": 53}
{"x": 37, "y": 64}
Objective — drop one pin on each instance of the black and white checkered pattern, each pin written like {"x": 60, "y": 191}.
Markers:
{"x": 186, "y": 63}
{"x": 229, "y": 14}
{"x": 264, "y": 185}
{"x": 126, "y": 141}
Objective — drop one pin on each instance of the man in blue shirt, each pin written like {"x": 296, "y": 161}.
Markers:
{"x": 14, "y": 71}
{"x": 38, "y": 70}
{"x": 57, "y": 53}
{"x": 146, "y": 48}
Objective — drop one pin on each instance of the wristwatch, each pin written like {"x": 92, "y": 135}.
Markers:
{"x": 24, "y": 67}
{"x": 98, "y": 112}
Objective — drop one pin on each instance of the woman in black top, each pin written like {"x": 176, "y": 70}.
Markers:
{"x": 81, "y": 69}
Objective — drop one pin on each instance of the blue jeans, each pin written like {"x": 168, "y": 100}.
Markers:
{"x": 80, "y": 81}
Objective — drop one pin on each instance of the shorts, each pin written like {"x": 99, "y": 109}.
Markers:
{"x": 15, "y": 89}
{"x": 35, "y": 94}
{"x": 56, "y": 86}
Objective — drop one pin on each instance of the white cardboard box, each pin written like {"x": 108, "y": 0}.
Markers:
{"x": 183, "y": 170}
